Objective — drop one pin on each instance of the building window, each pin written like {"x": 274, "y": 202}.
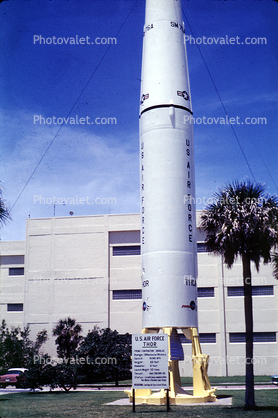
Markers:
{"x": 12, "y": 259}
{"x": 258, "y": 337}
{"x": 201, "y": 247}
{"x": 205, "y": 292}
{"x": 15, "y": 307}
{"x": 256, "y": 291}
{"x": 127, "y": 250}
{"x": 262, "y": 290}
{"x": 127, "y": 294}
{"x": 16, "y": 271}
{"x": 205, "y": 338}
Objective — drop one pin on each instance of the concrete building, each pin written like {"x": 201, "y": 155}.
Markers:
{"x": 88, "y": 268}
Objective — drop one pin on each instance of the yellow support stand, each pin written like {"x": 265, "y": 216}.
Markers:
{"x": 202, "y": 391}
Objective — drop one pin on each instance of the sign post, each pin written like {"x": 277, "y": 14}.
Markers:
{"x": 150, "y": 361}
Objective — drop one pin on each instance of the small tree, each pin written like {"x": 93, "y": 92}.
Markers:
{"x": 37, "y": 374}
{"x": 243, "y": 221}
{"x": 16, "y": 348}
{"x": 68, "y": 336}
{"x": 107, "y": 355}
{"x": 11, "y": 354}
{"x": 68, "y": 339}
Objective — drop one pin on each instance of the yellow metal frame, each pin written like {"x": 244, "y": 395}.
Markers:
{"x": 202, "y": 391}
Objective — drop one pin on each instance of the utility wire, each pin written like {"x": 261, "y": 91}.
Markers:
{"x": 71, "y": 109}
{"x": 258, "y": 152}
{"x": 218, "y": 94}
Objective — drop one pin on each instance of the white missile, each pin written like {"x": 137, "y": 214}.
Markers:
{"x": 168, "y": 220}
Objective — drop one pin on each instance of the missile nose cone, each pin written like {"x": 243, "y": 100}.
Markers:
{"x": 164, "y": 64}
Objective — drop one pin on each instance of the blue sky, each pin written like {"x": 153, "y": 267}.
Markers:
{"x": 98, "y": 164}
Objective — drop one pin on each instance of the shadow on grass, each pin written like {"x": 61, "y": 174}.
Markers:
{"x": 51, "y": 392}
{"x": 266, "y": 408}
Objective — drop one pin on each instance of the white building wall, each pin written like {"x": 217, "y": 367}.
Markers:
{"x": 11, "y": 286}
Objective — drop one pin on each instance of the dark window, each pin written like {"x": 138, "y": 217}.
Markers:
{"x": 16, "y": 271}
{"x": 207, "y": 338}
{"x": 262, "y": 290}
{"x": 256, "y": 290}
{"x": 127, "y": 294}
{"x": 124, "y": 237}
{"x": 15, "y": 307}
{"x": 205, "y": 292}
{"x": 235, "y": 291}
{"x": 258, "y": 337}
{"x": 127, "y": 250}
{"x": 12, "y": 259}
{"x": 203, "y": 337}
{"x": 202, "y": 247}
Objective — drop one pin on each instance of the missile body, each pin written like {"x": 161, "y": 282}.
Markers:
{"x": 168, "y": 220}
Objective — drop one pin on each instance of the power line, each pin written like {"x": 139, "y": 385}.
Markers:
{"x": 226, "y": 113}
{"x": 71, "y": 109}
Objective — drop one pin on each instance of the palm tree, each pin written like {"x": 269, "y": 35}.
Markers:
{"x": 242, "y": 221}
{"x": 274, "y": 260}
{"x": 4, "y": 213}
{"x": 68, "y": 338}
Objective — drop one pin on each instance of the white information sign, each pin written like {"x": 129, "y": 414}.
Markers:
{"x": 150, "y": 361}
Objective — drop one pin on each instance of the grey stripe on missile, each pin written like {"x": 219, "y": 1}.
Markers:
{"x": 166, "y": 105}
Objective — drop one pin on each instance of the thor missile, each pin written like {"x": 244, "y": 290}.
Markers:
{"x": 168, "y": 220}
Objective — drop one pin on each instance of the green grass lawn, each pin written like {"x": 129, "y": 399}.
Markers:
{"x": 91, "y": 404}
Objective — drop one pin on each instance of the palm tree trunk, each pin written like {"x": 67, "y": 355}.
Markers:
{"x": 248, "y": 309}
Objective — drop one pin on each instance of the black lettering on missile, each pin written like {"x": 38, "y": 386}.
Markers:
{"x": 174, "y": 24}
{"x": 189, "y": 185}
{"x": 142, "y": 196}
{"x": 144, "y": 97}
{"x": 146, "y": 283}
{"x": 177, "y": 25}
{"x": 183, "y": 94}
{"x": 190, "y": 282}
{"x": 147, "y": 28}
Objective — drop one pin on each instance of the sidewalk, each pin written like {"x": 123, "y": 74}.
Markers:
{"x": 12, "y": 389}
